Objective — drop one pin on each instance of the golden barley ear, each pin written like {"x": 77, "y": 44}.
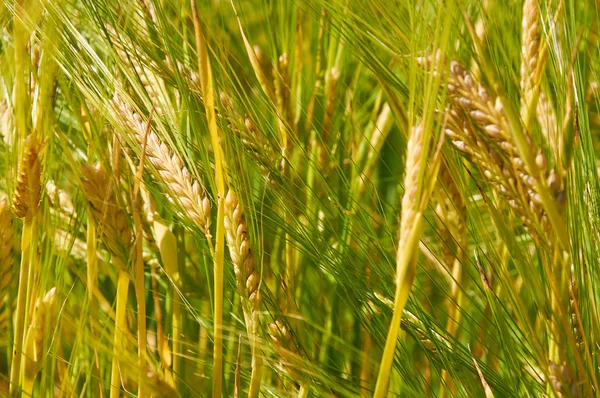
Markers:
{"x": 530, "y": 49}
{"x": 6, "y": 248}
{"x": 26, "y": 197}
{"x": 184, "y": 189}
{"x": 106, "y": 210}
{"x": 240, "y": 251}
{"x": 478, "y": 127}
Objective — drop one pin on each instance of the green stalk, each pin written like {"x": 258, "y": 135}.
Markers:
{"x": 209, "y": 105}
{"x": 22, "y": 300}
{"x": 120, "y": 325}
{"x": 406, "y": 265}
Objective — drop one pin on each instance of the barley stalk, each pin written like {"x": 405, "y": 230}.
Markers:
{"x": 152, "y": 84}
{"x": 452, "y": 212}
{"x": 411, "y": 227}
{"x": 208, "y": 93}
{"x": 6, "y": 249}
{"x": 6, "y": 264}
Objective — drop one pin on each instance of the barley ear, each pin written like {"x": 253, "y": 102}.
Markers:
{"x": 247, "y": 278}
{"x": 411, "y": 227}
{"x": 530, "y": 49}
{"x": 27, "y": 190}
{"x": 283, "y": 341}
{"x": 184, "y": 189}
{"x": 107, "y": 212}
{"x": 240, "y": 251}
{"x": 34, "y": 340}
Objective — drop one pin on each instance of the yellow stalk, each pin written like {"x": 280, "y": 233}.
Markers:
{"x": 140, "y": 293}
{"x": 209, "y": 105}
{"x": 120, "y": 325}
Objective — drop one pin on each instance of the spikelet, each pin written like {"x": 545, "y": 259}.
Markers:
{"x": 6, "y": 247}
{"x": 27, "y": 190}
{"x": 241, "y": 254}
{"x": 34, "y": 339}
{"x": 184, "y": 189}
{"x": 107, "y": 212}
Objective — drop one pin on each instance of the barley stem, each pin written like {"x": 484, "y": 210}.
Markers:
{"x": 22, "y": 299}
{"x": 209, "y": 105}
{"x": 120, "y": 326}
{"x": 140, "y": 293}
{"x": 405, "y": 273}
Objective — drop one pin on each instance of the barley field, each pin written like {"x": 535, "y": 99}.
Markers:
{"x": 310, "y": 198}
